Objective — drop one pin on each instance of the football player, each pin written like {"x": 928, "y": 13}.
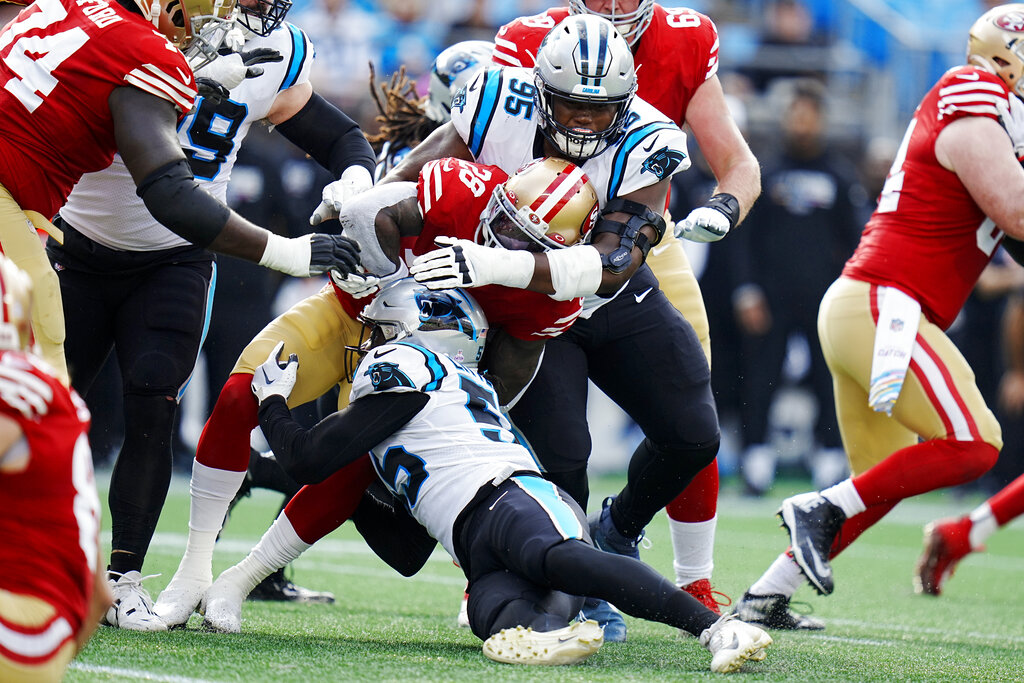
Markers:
{"x": 547, "y": 205}
{"x": 911, "y": 416}
{"x": 52, "y": 585}
{"x": 129, "y": 283}
{"x": 589, "y": 113}
{"x": 676, "y": 55}
{"x": 116, "y": 85}
{"x": 522, "y": 542}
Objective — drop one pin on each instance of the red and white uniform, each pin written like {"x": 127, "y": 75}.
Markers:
{"x": 59, "y": 62}
{"x": 927, "y": 237}
{"x": 452, "y": 194}
{"x": 675, "y": 55}
{"x": 51, "y": 514}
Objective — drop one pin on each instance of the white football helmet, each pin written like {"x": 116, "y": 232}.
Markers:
{"x": 451, "y": 71}
{"x": 996, "y": 44}
{"x": 547, "y": 204}
{"x": 583, "y": 60}
{"x": 630, "y": 25}
{"x": 16, "y": 300}
{"x": 196, "y": 27}
{"x": 447, "y": 321}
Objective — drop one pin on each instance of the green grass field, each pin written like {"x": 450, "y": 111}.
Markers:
{"x": 388, "y": 628}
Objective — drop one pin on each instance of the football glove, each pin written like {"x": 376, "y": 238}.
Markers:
{"x": 358, "y": 285}
{"x": 228, "y": 71}
{"x": 354, "y": 180}
{"x": 462, "y": 263}
{"x": 711, "y": 222}
{"x": 274, "y": 378}
{"x": 1012, "y": 118}
{"x": 311, "y": 255}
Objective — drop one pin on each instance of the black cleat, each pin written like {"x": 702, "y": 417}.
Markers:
{"x": 772, "y": 611}
{"x": 279, "y": 589}
{"x": 813, "y": 524}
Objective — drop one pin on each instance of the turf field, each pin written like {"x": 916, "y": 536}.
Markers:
{"x": 388, "y": 628}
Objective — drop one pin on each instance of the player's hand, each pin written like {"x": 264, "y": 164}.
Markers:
{"x": 332, "y": 253}
{"x": 354, "y": 180}
{"x": 275, "y": 378}
{"x": 260, "y": 55}
{"x": 210, "y": 89}
{"x": 711, "y": 222}
{"x": 462, "y": 263}
{"x": 358, "y": 285}
{"x": 1011, "y": 115}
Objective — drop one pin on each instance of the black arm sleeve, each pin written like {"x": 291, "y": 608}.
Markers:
{"x": 175, "y": 199}
{"x": 327, "y": 134}
{"x": 1015, "y": 248}
{"x": 391, "y": 532}
{"x": 312, "y": 455}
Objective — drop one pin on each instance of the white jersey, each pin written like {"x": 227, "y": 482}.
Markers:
{"x": 104, "y": 207}
{"x": 497, "y": 117}
{"x": 458, "y": 442}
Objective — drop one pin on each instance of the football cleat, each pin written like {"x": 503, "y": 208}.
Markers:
{"x": 179, "y": 600}
{"x": 568, "y": 645}
{"x": 609, "y": 618}
{"x": 772, "y": 611}
{"x": 714, "y": 600}
{"x": 277, "y": 588}
{"x": 946, "y": 542}
{"x": 223, "y": 603}
{"x": 607, "y": 537}
{"x": 813, "y": 523}
{"x": 132, "y": 608}
{"x": 732, "y": 642}
{"x": 463, "y": 619}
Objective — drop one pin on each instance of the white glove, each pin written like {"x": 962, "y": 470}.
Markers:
{"x": 358, "y": 285}
{"x": 274, "y": 379}
{"x": 1012, "y": 119}
{"x": 467, "y": 264}
{"x": 235, "y": 39}
{"x": 354, "y": 180}
{"x": 228, "y": 70}
{"x": 703, "y": 225}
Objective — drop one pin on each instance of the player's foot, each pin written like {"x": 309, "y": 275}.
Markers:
{"x": 714, "y": 600}
{"x": 946, "y": 542}
{"x": 772, "y": 611}
{"x": 223, "y": 603}
{"x": 180, "y": 599}
{"x": 732, "y": 642}
{"x": 609, "y": 618}
{"x": 463, "y": 619}
{"x": 607, "y": 537}
{"x": 813, "y": 523}
{"x": 279, "y": 589}
{"x": 132, "y": 608}
{"x": 568, "y": 645}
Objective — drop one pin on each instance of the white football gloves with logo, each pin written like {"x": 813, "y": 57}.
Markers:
{"x": 1012, "y": 118}
{"x": 462, "y": 263}
{"x": 354, "y": 180}
{"x": 358, "y": 285}
{"x": 275, "y": 378}
{"x": 711, "y": 222}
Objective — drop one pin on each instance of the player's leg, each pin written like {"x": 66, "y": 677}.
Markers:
{"x": 316, "y": 329}
{"x": 36, "y": 643}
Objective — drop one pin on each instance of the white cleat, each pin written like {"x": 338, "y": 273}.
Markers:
{"x": 223, "y": 605}
{"x": 568, "y": 645}
{"x": 732, "y": 642}
{"x": 180, "y": 599}
{"x": 133, "y": 608}
{"x": 463, "y": 618}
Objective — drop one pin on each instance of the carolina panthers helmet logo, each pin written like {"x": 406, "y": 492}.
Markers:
{"x": 663, "y": 162}
{"x": 386, "y": 376}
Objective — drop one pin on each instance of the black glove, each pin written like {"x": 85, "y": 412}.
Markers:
{"x": 259, "y": 55}
{"x": 212, "y": 90}
{"x": 332, "y": 252}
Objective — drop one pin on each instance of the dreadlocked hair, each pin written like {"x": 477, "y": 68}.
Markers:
{"x": 401, "y": 115}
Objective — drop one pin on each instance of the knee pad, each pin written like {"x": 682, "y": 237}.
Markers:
{"x": 157, "y": 374}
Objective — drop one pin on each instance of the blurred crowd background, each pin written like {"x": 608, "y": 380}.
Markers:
{"x": 823, "y": 90}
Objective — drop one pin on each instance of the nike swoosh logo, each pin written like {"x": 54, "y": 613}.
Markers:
{"x": 649, "y": 147}
{"x": 184, "y": 79}
{"x": 821, "y": 569}
{"x": 498, "y": 501}
{"x": 566, "y": 639}
{"x": 642, "y": 295}
{"x": 472, "y": 86}
{"x": 380, "y": 354}
{"x": 968, "y": 77}
{"x": 735, "y": 645}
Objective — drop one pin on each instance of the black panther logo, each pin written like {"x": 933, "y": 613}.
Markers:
{"x": 459, "y": 101}
{"x": 386, "y": 376}
{"x": 663, "y": 162}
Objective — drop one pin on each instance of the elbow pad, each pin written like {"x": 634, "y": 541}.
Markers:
{"x": 175, "y": 199}
{"x": 628, "y": 232}
{"x": 575, "y": 271}
{"x": 327, "y": 134}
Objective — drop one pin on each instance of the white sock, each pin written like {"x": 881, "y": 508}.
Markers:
{"x": 983, "y": 525}
{"x": 211, "y": 492}
{"x": 693, "y": 544}
{"x": 278, "y": 547}
{"x": 844, "y": 494}
{"x": 783, "y": 577}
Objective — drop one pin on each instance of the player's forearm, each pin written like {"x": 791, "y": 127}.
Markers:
{"x": 742, "y": 179}
{"x": 443, "y": 142}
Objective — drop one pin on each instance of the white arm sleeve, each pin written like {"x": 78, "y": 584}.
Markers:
{"x": 575, "y": 271}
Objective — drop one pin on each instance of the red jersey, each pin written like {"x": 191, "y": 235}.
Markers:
{"x": 51, "y": 513}
{"x": 59, "y": 61}
{"x": 452, "y": 194}
{"x": 675, "y": 55}
{"x": 927, "y": 237}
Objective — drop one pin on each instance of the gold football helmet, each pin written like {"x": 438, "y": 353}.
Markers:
{"x": 547, "y": 204}
{"x": 16, "y": 302}
{"x": 996, "y": 43}
{"x": 196, "y": 27}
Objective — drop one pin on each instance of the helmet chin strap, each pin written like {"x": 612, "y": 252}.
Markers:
{"x": 154, "y": 13}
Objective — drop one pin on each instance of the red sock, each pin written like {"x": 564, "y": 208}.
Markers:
{"x": 924, "y": 467}
{"x": 1008, "y": 504}
{"x": 858, "y": 524}
{"x": 698, "y": 502}
{"x": 318, "y": 509}
{"x": 224, "y": 443}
